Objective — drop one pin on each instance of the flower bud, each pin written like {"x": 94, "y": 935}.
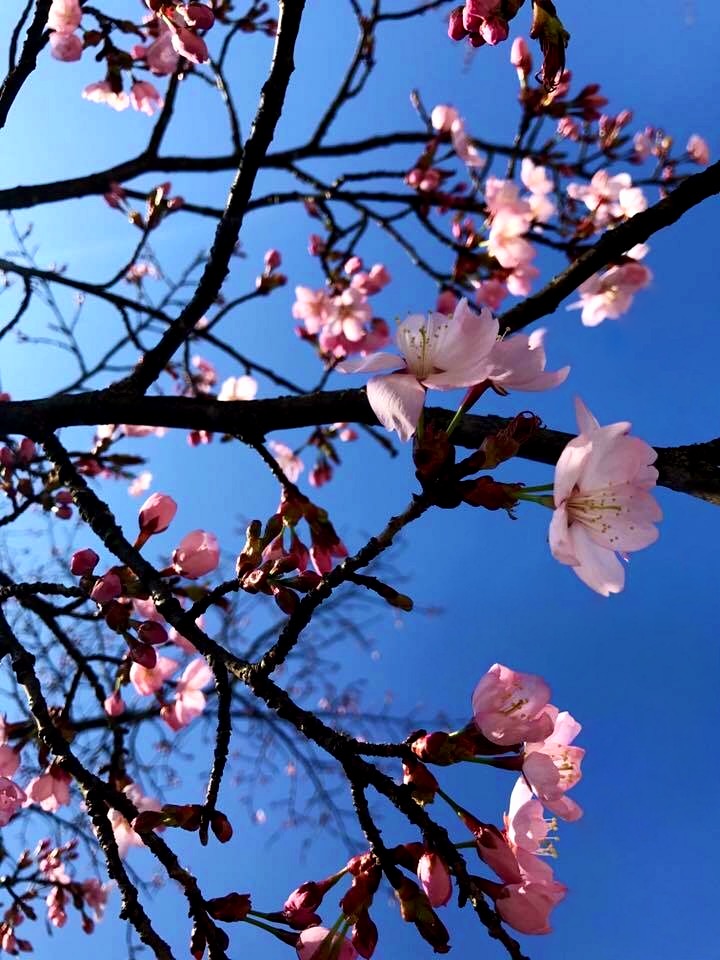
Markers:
{"x": 106, "y": 588}
{"x": 157, "y": 513}
{"x": 83, "y": 562}
{"x": 152, "y": 633}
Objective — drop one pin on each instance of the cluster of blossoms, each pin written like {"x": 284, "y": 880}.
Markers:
{"x": 47, "y": 866}
{"x": 495, "y": 258}
{"x": 275, "y": 561}
{"x": 323, "y": 439}
{"x": 514, "y": 727}
{"x": 602, "y": 501}
{"x": 173, "y": 29}
{"x": 341, "y": 322}
{"x": 117, "y": 591}
{"x": 487, "y": 21}
{"x": 23, "y": 478}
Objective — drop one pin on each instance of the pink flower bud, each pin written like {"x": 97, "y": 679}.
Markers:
{"x": 64, "y": 497}
{"x": 152, "y": 632}
{"x": 67, "y": 47}
{"x": 434, "y": 879}
{"x": 157, "y": 513}
{"x": 520, "y": 56}
{"x": 316, "y": 245}
{"x": 143, "y": 654}
{"x": 273, "y": 259}
{"x": 494, "y": 30}
{"x": 197, "y": 554}
{"x": 199, "y": 16}
{"x": 319, "y": 942}
{"x": 106, "y": 588}
{"x": 114, "y": 704}
{"x": 698, "y": 150}
{"x": 62, "y": 512}
{"x": 352, "y": 266}
{"x": 26, "y": 450}
{"x": 456, "y": 30}
{"x": 7, "y": 457}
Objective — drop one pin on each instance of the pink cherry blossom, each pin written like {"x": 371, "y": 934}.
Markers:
{"x": 9, "y": 760}
{"x": 698, "y": 150}
{"x": 603, "y": 503}
{"x": 610, "y": 294}
{"x": 506, "y": 240}
{"x": 148, "y": 680}
{"x": 160, "y": 56}
{"x": 102, "y": 92}
{"x": 64, "y": 16}
{"x": 145, "y": 98}
{"x": 438, "y": 353}
{"x": 239, "y": 388}
{"x": 67, "y": 47}
{"x": 197, "y": 554}
{"x": 314, "y": 939}
{"x": 445, "y": 119}
{"x": 140, "y": 484}
{"x": 188, "y": 44}
{"x": 314, "y": 307}
{"x": 526, "y": 906}
{"x": 125, "y": 836}
{"x": 509, "y": 706}
{"x": 291, "y": 465}
{"x": 189, "y": 698}
{"x": 609, "y": 197}
{"x": 157, "y": 513}
{"x": 12, "y": 798}
{"x": 552, "y": 767}
{"x": 51, "y": 790}
{"x": 434, "y": 878}
{"x": 525, "y": 825}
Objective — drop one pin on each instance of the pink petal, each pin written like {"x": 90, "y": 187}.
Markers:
{"x": 397, "y": 401}
{"x": 372, "y": 363}
{"x": 597, "y": 567}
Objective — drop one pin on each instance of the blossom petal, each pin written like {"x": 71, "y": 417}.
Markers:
{"x": 372, "y": 363}
{"x": 397, "y": 401}
{"x": 597, "y": 567}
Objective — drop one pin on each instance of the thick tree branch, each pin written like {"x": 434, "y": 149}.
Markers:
{"x": 692, "y": 468}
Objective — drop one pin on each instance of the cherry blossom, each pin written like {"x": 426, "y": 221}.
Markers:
{"x": 610, "y": 294}
{"x": 603, "y": 503}
{"x": 197, "y": 554}
{"x": 102, "y": 92}
{"x": 290, "y": 464}
{"x": 64, "y": 16}
{"x": 698, "y": 150}
{"x": 145, "y": 98}
{"x": 526, "y": 906}
{"x": 12, "y": 798}
{"x": 518, "y": 363}
{"x": 525, "y": 825}
{"x": 438, "y": 353}
{"x": 238, "y": 388}
{"x": 316, "y": 942}
{"x": 67, "y": 47}
{"x": 51, "y": 790}
{"x": 552, "y": 766}
{"x": 509, "y": 706}
{"x": 125, "y": 836}
{"x": 148, "y": 680}
{"x": 189, "y": 698}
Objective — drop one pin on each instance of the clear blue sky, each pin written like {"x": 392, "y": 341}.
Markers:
{"x": 639, "y": 670}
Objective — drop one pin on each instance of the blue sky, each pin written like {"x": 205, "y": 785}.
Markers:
{"x": 639, "y": 670}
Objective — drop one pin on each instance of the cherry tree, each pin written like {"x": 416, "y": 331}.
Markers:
{"x": 133, "y": 665}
